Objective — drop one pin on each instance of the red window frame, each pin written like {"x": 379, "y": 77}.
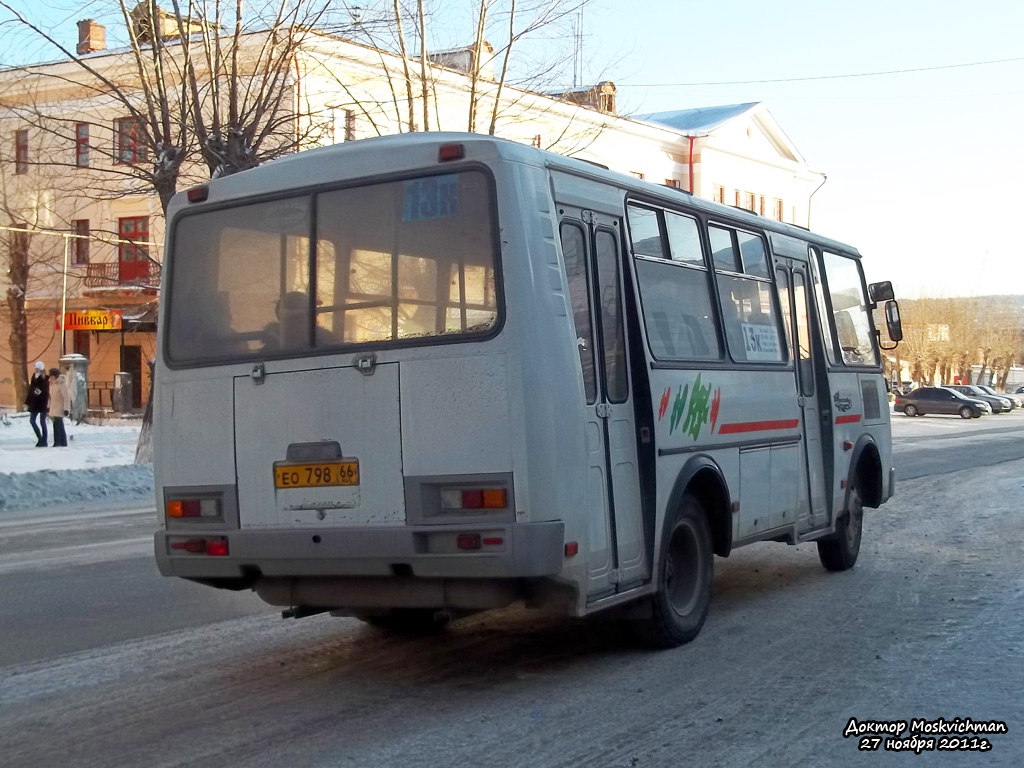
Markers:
{"x": 132, "y": 260}
{"x": 127, "y": 149}
{"x": 82, "y": 145}
{"x": 21, "y": 151}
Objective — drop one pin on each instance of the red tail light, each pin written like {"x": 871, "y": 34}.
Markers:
{"x": 474, "y": 498}
{"x": 214, "y": 547}
{"x": 451, "y": 152}
{"x": 217, "y": 547}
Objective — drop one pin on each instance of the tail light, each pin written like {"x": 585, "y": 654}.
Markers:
{"x": 215, "y": 547}
{"x": 451, "y": 152}
{"x": 474, "y": 498}
{"x": 194, "y": 508}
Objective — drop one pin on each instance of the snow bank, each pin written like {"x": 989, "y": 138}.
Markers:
{"x": 97, "y": 464}
{"x": 48, "y": 487}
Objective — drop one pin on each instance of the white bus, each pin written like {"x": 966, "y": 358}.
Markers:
{"x": 420, "y": 376}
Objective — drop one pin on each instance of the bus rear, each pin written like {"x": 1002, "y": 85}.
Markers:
{"x": 333, "y": 405}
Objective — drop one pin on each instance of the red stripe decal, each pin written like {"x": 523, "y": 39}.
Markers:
{"x": 758, "y": 426}
{"x": 852, "y": 418}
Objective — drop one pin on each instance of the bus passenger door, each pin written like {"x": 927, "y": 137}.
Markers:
{"x": 809, "y": 389}
{"x": 590, "y": 245}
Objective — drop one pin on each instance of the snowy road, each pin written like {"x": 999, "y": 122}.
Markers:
{"x": 105, "y": 664}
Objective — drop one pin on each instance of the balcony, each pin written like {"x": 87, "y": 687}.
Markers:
{"x": 121, "y": 276}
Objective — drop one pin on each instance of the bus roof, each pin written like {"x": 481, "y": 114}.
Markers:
{"x": 383, "y": 155}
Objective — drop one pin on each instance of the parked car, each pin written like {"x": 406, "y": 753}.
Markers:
{"x": 1019, "y": 390}
{"x": 926, "y": 400}
{"x": 1015, "y": 401}
{"x": 999, "y": 404}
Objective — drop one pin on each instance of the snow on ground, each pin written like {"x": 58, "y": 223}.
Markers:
{"x": 97, "y": 464}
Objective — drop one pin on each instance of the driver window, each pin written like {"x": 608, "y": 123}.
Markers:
{"x": 850, "y": 311}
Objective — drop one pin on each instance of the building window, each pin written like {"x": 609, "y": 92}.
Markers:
{"x": 82, "y": 145}
{"x": 350, "y": 125}
{"x": 536, "y": 141}
{"x": 80, "y": 343}
{"x": 760, "y": 208}
{"x": 80, "y": 242}
{"x": 674, "y": 183}
{"x": 128, "y": 142}
{"x": 718, "y": 193}
{"x": 133, "y": 260}
{"x": 636, "y": 174}
{"x": 777, "y": 209}
{"x": 21, "y": 151}
{"x": 748, "y": 201}
{"x": 736, "y": 194}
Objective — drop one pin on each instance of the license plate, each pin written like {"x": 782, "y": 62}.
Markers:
{"x": 322, "y": 474}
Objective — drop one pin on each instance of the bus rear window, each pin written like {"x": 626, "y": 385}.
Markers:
{"x": 392, "y": 262}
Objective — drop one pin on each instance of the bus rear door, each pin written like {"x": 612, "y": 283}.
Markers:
{"x": 591, "y": 246}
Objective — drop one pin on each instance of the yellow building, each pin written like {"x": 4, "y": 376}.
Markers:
{"x": 69, "y": 153}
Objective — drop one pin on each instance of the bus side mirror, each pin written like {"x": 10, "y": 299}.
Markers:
{"x": 892, "y": 320}
{"x": 879, "y": 292}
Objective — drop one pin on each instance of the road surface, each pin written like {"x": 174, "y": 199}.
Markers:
{"x": 103, "y": 663}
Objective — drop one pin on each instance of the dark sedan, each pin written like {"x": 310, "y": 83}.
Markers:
{"x": 1014, "y": 400}
{"x": 926, "y": 400}
{"x": 998, "y": 404}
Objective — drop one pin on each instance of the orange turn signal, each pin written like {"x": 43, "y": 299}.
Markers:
{"x": 495, "y": 498}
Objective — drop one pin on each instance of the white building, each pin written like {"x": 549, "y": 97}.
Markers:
{"x": 68, "y": 150}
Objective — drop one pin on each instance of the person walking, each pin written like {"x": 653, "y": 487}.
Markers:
{"x": 60, "y": 404}
{"x": 37, "y": 400}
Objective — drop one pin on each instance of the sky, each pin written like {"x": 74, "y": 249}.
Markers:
{"x": 923, "y": 168}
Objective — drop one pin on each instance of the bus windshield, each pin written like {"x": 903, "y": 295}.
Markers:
{"x": 392, "y": 262}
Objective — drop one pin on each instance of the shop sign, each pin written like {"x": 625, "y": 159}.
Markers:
{"x": 90, "y": 320}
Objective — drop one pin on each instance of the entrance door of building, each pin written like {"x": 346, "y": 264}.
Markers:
{"x": 131, "y": 362}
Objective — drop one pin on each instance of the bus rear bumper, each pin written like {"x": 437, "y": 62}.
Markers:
{"x": 515, "y": 550}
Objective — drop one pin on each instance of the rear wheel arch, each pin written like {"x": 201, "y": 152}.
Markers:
{"x": 865, "y": 472}
{"x": 703, "y": 478}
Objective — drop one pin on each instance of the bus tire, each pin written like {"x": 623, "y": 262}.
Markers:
{"x": 839, "y": 551}
{"x": 411, "y": 622}
{"x": 680, "y": 606}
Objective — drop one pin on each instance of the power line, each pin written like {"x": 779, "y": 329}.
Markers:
{"x": 826, "y": 77}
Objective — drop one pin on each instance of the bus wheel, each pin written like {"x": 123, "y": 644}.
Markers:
{"x": 680, "y": 605}
{"x": 839, "y": 551}
{"x": 412, "y": 622}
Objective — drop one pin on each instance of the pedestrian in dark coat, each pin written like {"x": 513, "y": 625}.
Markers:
{"x": 38, "y": 402}
{"x": 60, "y": 404}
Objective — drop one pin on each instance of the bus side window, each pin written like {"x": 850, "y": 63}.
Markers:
{"x": 748, "y": 312}
{"x": 824, "y": 317}
{"x": 854, "y": 327}
{"x": 574, "y": 246}
{"x": 803, "y": 336}
{"x": 675, "y": 292}
{"x": 782, "y": 281}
